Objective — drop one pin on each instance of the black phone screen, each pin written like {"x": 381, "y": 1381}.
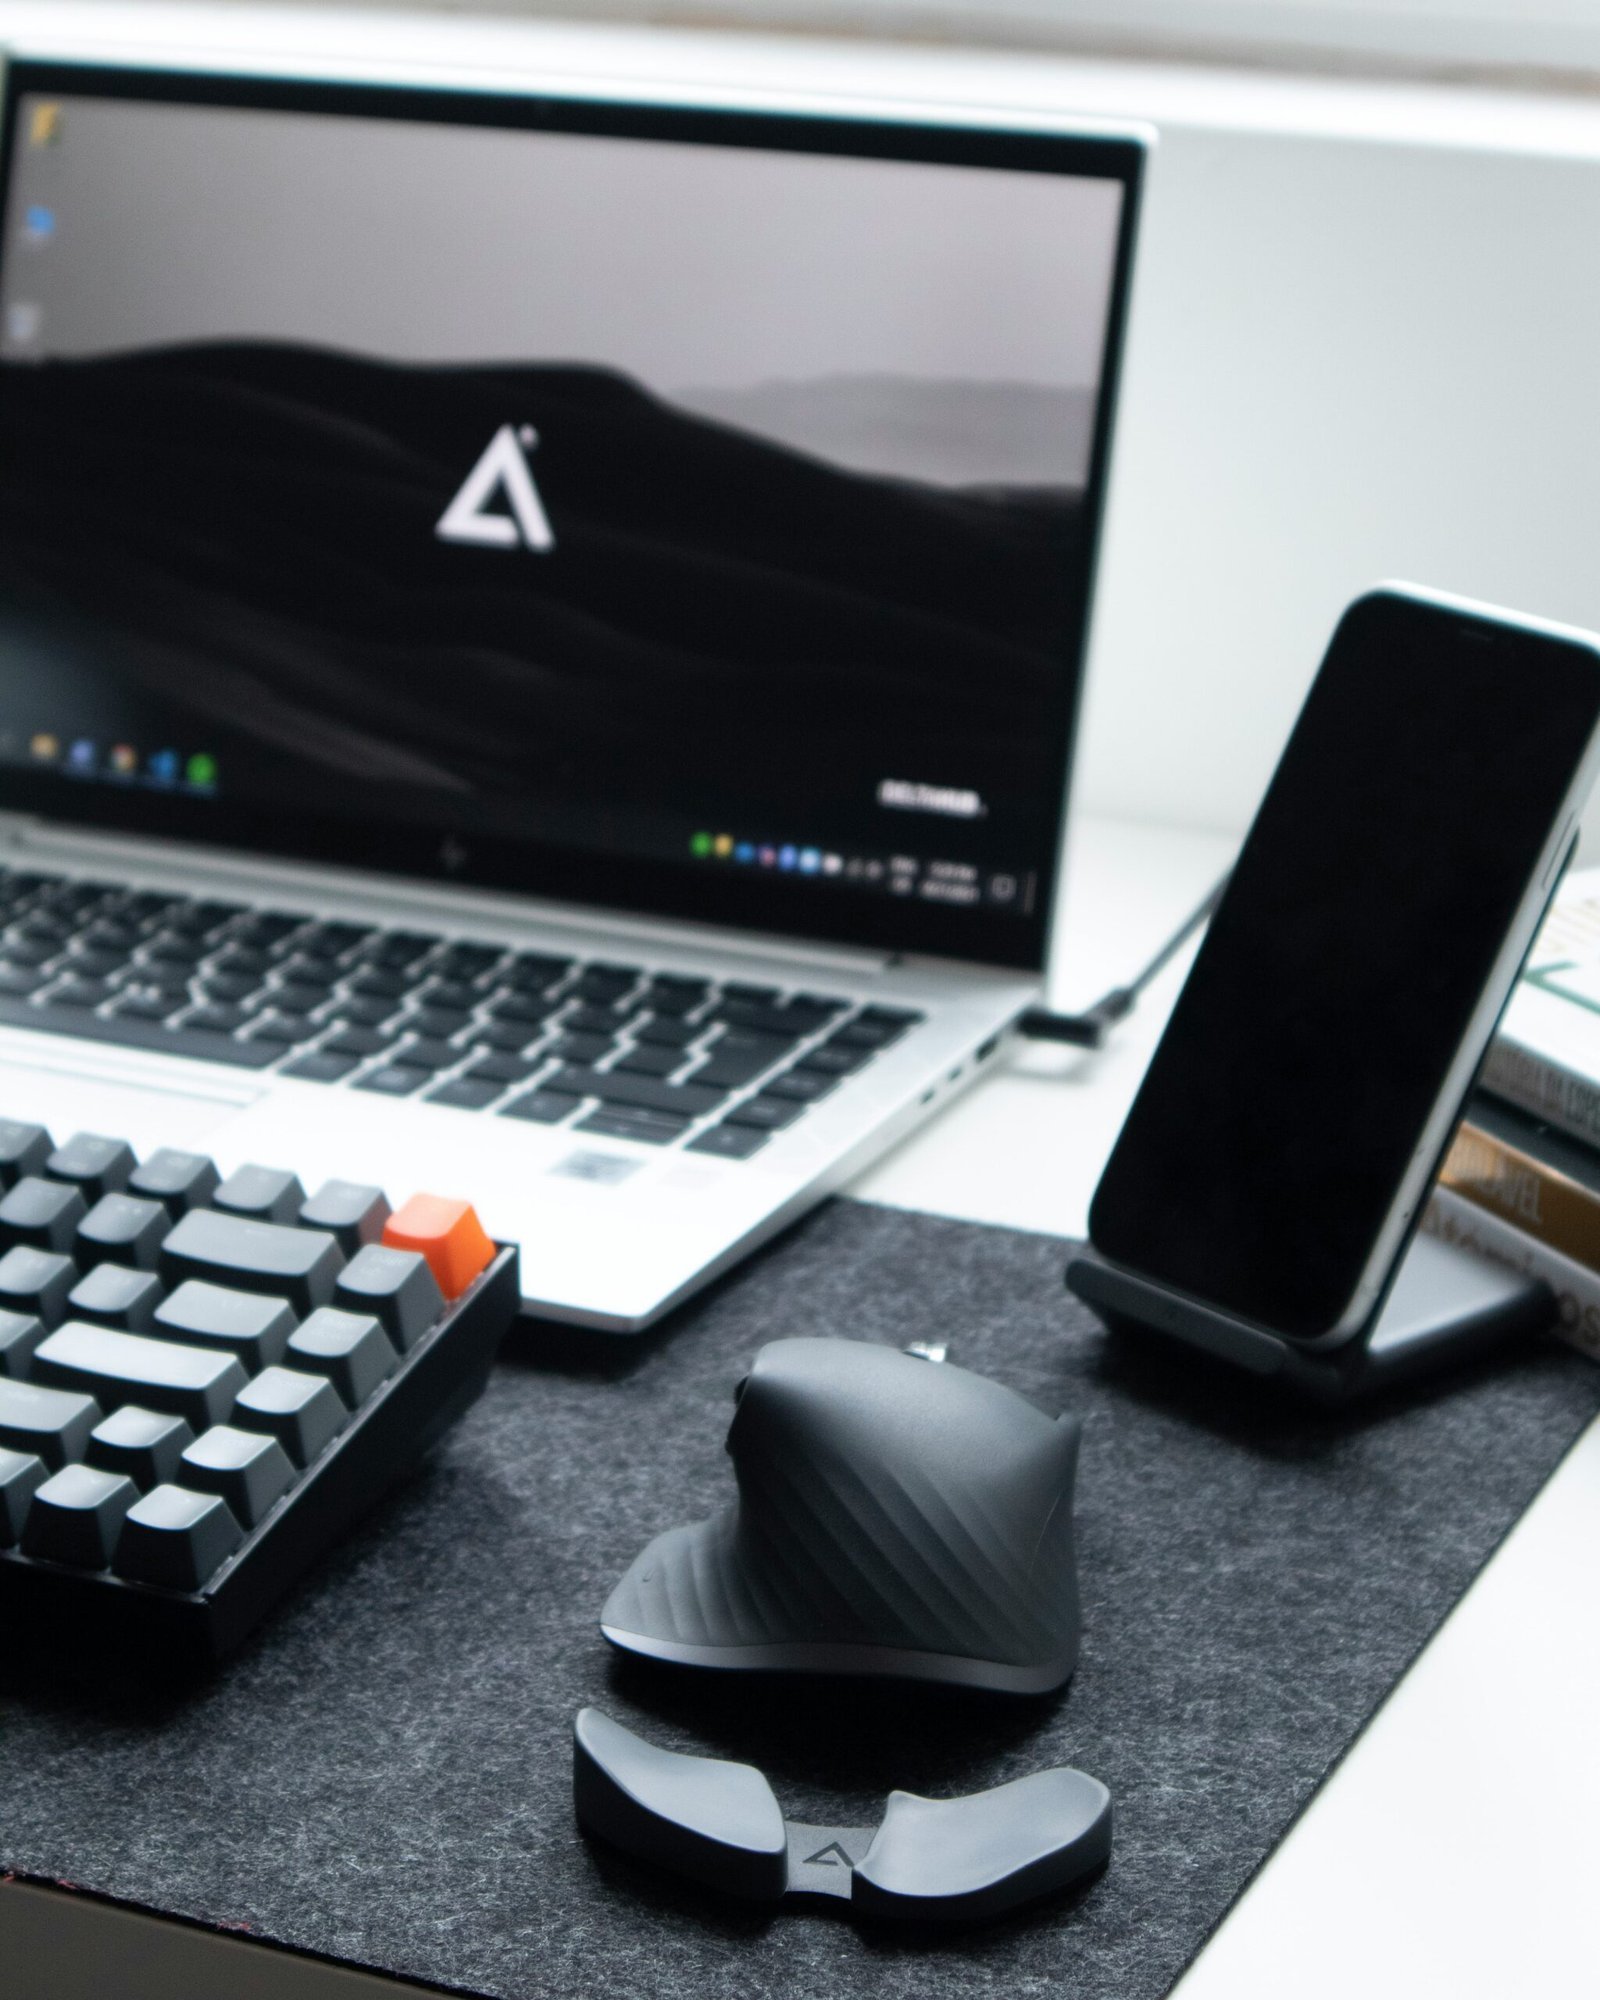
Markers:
{"x": 1361, "y": 926}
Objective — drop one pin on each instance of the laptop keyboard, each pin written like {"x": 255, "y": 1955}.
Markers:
{"x": 658, "y": 1057}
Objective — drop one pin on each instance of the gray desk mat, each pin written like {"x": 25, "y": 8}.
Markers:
{"x": 384, "y": 1774}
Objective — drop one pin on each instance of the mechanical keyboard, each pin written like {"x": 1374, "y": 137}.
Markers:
{"x": 657, "y": 1056}
{"x": 204, "y": 1379}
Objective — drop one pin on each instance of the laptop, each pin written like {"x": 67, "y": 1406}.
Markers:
{"x": 539, "y": 637}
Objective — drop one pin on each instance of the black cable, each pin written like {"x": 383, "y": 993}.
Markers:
{"x": 1089, "y": 1029}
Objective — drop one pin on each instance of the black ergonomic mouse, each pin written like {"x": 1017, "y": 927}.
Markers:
{"x": 894, "y": 1516}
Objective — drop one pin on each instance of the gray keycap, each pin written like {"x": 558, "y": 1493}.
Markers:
{"x": 303, "y": 1412}
{"x": 125, "y": 1229}
{"x": 176, "y": 1538}
{"x": 396, "y": 1287}
{"x": 252, "y": 1325}
{"x": 352, "y": 1211}
{"x": 76, "y": 1516}
{"x": 301, "y": 1265}
{"x": 22, "y": 1473}
{"x": 20, "y": 1334}
{"x": 44, "y": 1214}
{"x": 179, "y": 1181}
{"x": 268, "y": 1194}
{"x": 54, "y": 1424}
{"x": 93, "y": 1164}
{"x": 197, "y": 1383}
{"x": 246, "y": 1468}
{"x": 143, "y": 1445}
{"x": 23, "y": 1150}
{"x": 351, "y": 1349}
{"x": 115, "y": 1295}
{"x": 38, "y": 1282}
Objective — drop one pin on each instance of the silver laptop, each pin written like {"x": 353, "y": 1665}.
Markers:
{"x": 539, "y": 639}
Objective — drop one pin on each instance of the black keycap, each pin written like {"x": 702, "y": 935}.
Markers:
{"x": 427, "y": 1052}
{"x": 216, "y": 1020}
{"x": 465, "y": 1094}
{"x": 178, "y": 1180}
{"x": 396, "y": 949}
{"x": 77, "y": 1515}
{"x": 43, "y": 1213}
{"x": 21, "y": 1476}
{"x": 579, "y": 1048}
{"x": 123, "y": 1227}
{"x": 98, "y": 1166}
{"x": 253, "y": 1326}
{"x": 247, "y": 1469}
{"x": 269, "y": 1194}
{"x": 297, "y": 998}
{"x": 800, "y": 1086}
{"x": 176, "y": 1538}
{"x": 510, "y": 1036}
{"x": 832, "y": 1060}
{"x": 821, "y": 1003}
{"x": 150, "y": 1006}
{"x": 19, "y": 979}
{"x": 23, "y": 1150}
{"x": 319, "y": 1067}
{"x": 354, "y": 1012}
{"x": 648, "y": 1061}
{"x": 891, "y": 1017}
{"x": 37, "y": 1282}
{"x": 128, "y": 1032}
{"x": 315, "y": 975}
{"x": 737, "y": 1059}
{"x": 81, "y": 993}
{"x": 644, "y": 1093}
{"x": 395, "y": 1080}
{"x": 649, "y": 1128}
{"x": 535, "y": 971}
{"x": 666, "y": 1032}
{"x": 303, "y": 1412}
{"x": 143, "y": 1445}
{"x": 170, "y": 949}
{"x": 300, "y": 1265}
{"x": 351, "y": 1349}
{"x": 376, "y": 985}
{"x": 21, "y": 952}
{"x": 52, "y": 1424}
{"x": 759, "y": 996}
{"x": 468, "y": 959}
{"x": 221, "y": 990}
{"x": 332, "y": 940}
{"x": 196, "y": 1383}
{"x": 863, "y": 1035}
{"x": 267, "y": 928}
{"x": 201, "y": 919}
{"x": 146, "y": 905}
{"x": 351, "y": 1211}
{"x": 539, "y": 1108}
{"x": 94, "y": 965}
{"x": 272, "y": 1033}
{"x": 606, "y": 1021}
{"x": 236, "y": 963}
{"x": 729, "y": 1142}
{"x": 20, "y": 1334}
{"x": 776, "y": 1022}
{"x": 765, "y": 1114}
{"x": 396, "y": 1287}
{"x": 500, "y": 1069}
{"x": 624, "y": 975}
{"x": 521, "y": 1007}
{"x": 448, "y": 993}
{"x": 116, "y": 1295}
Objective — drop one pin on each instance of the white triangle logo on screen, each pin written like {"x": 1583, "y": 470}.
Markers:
{"x": 502, "y": 471}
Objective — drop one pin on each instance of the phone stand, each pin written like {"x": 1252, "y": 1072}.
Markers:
{"x": 1443, "y": 1304}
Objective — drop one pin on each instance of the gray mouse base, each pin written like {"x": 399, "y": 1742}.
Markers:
{"x": 821, "y": 1657}
{"x": 1446, "y": 1305}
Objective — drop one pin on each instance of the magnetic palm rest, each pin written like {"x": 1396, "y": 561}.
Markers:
{"x": 894, "y": 1516}
{"x": 930, "y": 1859}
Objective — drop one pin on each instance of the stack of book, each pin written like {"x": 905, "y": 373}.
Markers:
{"x": 1521, "y": 1182}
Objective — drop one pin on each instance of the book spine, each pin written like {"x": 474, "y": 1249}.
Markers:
{"x": 1530, "y": 1193}
{"x": 1545, "y": 1087}
{"x": 1454, "y": 1219}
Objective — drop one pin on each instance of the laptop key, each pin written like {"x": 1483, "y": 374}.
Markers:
{"x": 42, "y": 1213}
{"x": 23, "y": 1150}
{"x": 394, "y": 1080}
{"x": 428, "y": 1053}
{"x": 178, "y": 1180}
{"x": 510, "y": 1036}
{"x": 135, "y": 1034}
{"x": 580, "y": 1048}
{"x": 514, "y": 1006}
{"x": 830, "y": 1059}
{"x": 687, "y": 1100}
{"x": 320, "y": 1067}
{"x": 355, "y": 1012}
{"x": 765, "y": 1114}
{"x": 438, "y": 1022}
{"x": 800, "y": 1086}
{"x": 20, "y": 979}
{"x": 219, "y": 1020}
{"x": 273, "y": 1033}
{"x": 300, "y": 1265}
{"x": 664, "y": 1031}
{"x": 374, "y": 984}
{"x": 82, "y": 993}
{"x": 195, "y": 1383}
{"x": 52, "y": 1424}
{"x": 647, "y": 1061}
{"x": 729, "y": 1142}
{"x": 466, "y": 1093}
{"x": 151, "y": 1006}
{"x": 500, "y": 1069}
{"x": 296, "y": 997}
{"x": 36, "y": 1282}
{"x": 648, "y": 1128}
{"x": 759, "y": 996}
{"x": 536, "y": 971}
{"x": 357, "y": 1042}
{"x": 394, "y": 950}
{"x": 176, "y": 1538}
{"x": 540, "y": 1107}
{"x": 891, "y": 1017}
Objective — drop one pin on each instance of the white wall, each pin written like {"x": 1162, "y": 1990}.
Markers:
{"x": 1364, "y": 344}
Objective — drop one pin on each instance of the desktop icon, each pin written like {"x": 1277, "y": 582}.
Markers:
{"x": 44, "y": 127}
{"x": 700, "y": 845}
{"x": 38, "y": 223}
{"x": 810, "y": 860}
{"x": 124, "y": 759}
{"x": 164, "y": 767}
{"x": 788, "y": 857}
{"x": 45, "y": 747}
{"x": 745, "y": 851}
{"x": 832, "y": 864}
{"x": 202, "y": 769}
{"x": 82, "y": 754}
{"x": 723, "y": 845}
{"x": 769, "y": 857}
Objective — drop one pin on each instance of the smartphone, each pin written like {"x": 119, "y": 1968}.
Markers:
{"x": 1299, "y": 1104}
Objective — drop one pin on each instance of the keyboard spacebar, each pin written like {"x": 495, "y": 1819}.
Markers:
{"x": 131, "y": 1033}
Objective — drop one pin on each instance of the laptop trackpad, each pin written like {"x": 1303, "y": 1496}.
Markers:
{"x": 68, "y": 1098}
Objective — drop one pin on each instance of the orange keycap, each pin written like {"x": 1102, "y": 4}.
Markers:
{"x": 449, "y": 1235}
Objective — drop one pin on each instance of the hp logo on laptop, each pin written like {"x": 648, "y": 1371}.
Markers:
{"x": 502, "y": 471}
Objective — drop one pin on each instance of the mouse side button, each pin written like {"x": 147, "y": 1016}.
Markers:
{"x": 715, "y": 1822}
{"x": 978, "y": 1856}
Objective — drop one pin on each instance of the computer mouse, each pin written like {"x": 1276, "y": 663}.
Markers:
{"x": 893, "y": 1517}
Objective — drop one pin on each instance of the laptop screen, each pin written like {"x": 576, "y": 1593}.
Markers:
{"x": 689, "y": 512}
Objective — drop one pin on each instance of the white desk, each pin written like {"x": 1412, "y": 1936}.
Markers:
{"x": 1457, "y": 1849}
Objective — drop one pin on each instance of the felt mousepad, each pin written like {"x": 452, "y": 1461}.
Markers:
{"x": 384, "y": 1773}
